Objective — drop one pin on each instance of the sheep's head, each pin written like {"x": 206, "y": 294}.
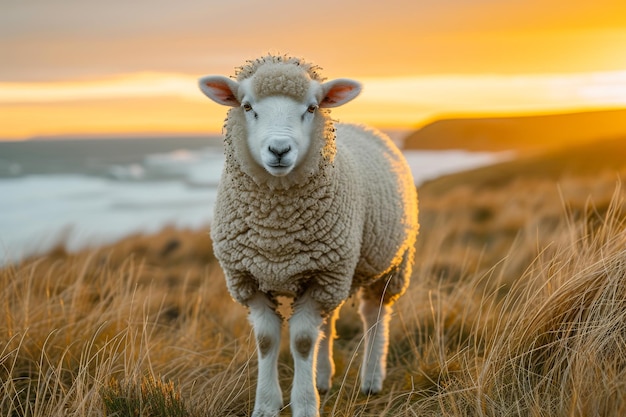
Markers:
{"x": 282, "y": 103}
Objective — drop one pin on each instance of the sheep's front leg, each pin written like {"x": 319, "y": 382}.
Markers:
{"x": 267, "y": 324}
{"x": 325, "y": 363}
{"x": 375, "y": 315}
{"x": 304, "y": 328}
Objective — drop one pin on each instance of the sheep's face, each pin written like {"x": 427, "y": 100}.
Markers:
{"x": 279, "y": 126}
{"x": 279, "y": 131}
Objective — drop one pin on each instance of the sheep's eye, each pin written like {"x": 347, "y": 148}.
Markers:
{"x": 247, "y": 106}
{"x": 311, "y": 108}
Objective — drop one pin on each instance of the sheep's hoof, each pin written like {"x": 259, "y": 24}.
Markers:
{"x": 371, "y": 388}
{"x": 369, "y": 391}
{"x": 306, "y": 413}
{"x": 265, "y": 413}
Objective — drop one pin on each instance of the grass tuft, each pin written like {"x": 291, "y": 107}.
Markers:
{"x": 150, "y": 397}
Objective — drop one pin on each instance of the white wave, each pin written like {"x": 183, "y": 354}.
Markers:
{"x": 127, "y": 172}
{"x": 90, "y": 211}
{"x": 199, "y": 168}
{"x": 428, "y": 165}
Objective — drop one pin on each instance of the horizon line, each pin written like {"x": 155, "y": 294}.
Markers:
{"x": 210, "y": 134}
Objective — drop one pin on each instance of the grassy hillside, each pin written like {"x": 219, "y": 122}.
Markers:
{"x": 586, "y": 159}
{"x": 516, "y": 308}
{"x": 519, "y": 133}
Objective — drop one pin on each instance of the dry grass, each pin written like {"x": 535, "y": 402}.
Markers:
{"x": 517, "y": 307}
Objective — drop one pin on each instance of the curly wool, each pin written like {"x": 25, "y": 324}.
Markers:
{"x": 276, "y": 241}
{"x": 345, "y": 218}
{"x": 280, "y": 79}
{"x": 251, "y": 67}
{"x": 280, "y": 75}
{"x": 333, "y": 234}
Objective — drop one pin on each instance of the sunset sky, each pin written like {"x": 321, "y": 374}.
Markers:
{"x": 82, "y": 67}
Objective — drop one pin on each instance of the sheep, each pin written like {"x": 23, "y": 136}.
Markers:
{"x": 313, "y": 210}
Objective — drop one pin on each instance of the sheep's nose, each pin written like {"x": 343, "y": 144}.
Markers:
{"x": 279, "y": 150}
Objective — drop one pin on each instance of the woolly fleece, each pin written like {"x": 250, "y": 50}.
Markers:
{"x": 345, "y": 218}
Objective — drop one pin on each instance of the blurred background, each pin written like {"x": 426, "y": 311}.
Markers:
{"x": 103, "y": 131}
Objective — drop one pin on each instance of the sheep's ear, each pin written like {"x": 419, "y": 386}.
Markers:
{"x": 220, "y": 89}
{"x": 338, "y": 92}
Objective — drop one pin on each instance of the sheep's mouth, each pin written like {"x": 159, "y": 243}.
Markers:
{"x": 279, "y": 165}
{"x": 279, "y": 169}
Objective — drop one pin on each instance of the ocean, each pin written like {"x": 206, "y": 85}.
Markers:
{"x": 90, "y": 192}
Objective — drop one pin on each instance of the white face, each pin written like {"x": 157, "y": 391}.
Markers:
{"x": 279, "y": 128}
{"x": 279, "y": 132}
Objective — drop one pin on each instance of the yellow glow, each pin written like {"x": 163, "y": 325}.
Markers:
{"x": 172, "y": 103}
{"x": 118, "y": 116}
{"x": 131, "y": 85}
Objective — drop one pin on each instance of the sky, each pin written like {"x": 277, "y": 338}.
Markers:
{"x": 83, "y": 67}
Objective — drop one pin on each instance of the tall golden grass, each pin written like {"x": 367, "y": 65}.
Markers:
{"x": 517, "y": 307}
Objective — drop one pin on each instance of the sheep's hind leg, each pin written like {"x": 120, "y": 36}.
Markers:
{"x": 304, "y": 328}
{"x": 267, "y": 325}
{"x": 325, "y": 363}
{"x": 375, "y": 314}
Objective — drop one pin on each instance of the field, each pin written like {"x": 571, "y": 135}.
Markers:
{"x": 517, "y": 308}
